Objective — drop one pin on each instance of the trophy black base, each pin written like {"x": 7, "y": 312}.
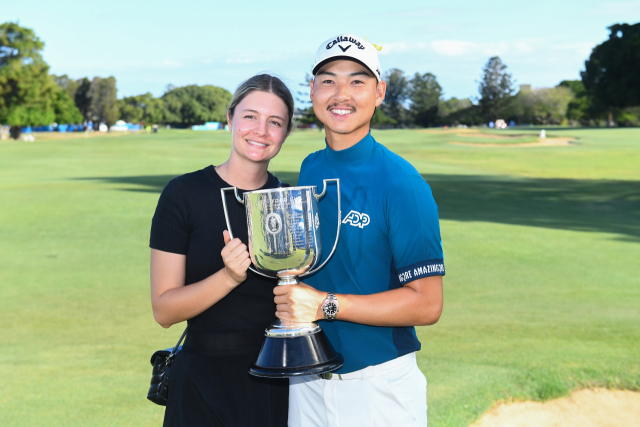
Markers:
{"x": 284, "y": 357}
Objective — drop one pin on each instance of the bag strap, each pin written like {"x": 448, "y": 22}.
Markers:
{"x": 175, "y": 349}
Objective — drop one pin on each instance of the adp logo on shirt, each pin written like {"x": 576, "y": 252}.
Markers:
{"x": 356, "y": 219}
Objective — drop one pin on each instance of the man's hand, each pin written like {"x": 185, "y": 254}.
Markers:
{"x": 236, "y": 259}
{"x": 299, "y": 303}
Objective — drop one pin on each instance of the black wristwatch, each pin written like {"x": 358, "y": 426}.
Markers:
{"x": 330, "y": 307}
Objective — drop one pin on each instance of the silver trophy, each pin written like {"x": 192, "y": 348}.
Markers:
{"x": 285, "y": 242}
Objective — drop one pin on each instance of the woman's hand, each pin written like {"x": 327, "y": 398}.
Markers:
{"x": 299, "y": 303}
{"x": 236, "y": 259}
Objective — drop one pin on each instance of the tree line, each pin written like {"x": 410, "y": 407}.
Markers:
{"x": 608, "y": 93}
{"x": 30, "y": 96}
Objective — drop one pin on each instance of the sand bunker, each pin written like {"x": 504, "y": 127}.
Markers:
{"x": 542, "y": 142}
{"x": 584, "y": 408}
{"x": 477, "y": 134}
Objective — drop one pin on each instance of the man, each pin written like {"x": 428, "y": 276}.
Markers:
{"x": 386, "y": 275}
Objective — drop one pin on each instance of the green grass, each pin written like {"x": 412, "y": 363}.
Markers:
{"x": 542, "y": 250}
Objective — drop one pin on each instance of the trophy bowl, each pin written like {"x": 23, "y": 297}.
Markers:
{"x": 285, "y": 242}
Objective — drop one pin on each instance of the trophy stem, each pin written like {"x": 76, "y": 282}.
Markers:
{"x": 289, "y": 329}
{"x": 288, "y": 280}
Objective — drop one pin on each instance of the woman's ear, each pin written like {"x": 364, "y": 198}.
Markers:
{"x": 228, "y": 121}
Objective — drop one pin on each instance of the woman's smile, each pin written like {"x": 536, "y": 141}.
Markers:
{"x": 256, "y": 144}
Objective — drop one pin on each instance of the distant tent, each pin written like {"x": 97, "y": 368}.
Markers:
{"x": 208, "y": 126}
{"x": 120, "y": 125}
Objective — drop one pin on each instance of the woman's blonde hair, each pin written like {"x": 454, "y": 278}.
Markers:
{"x": 264, "y": 83}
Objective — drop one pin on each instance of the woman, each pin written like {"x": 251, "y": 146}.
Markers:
{"x": 199, "y": 274}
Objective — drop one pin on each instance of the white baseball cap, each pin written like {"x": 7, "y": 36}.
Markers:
{"x": 348, "y": 46}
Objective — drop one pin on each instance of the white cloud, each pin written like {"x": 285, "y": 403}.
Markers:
{"x": 391, "y": 48}
{"x": 251, "y": 57}
{"x": 523, "y": 47}
{"x": 167, "y": 63}
{"x": 462, "y": 47}
{"x": 453, "y": 47}
{"x": 457, "y": 48}
{"x": 582, "y": 49}
{"x": 240, "y": 60}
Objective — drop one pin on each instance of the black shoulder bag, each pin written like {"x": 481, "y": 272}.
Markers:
{"x": 161, "y": 362}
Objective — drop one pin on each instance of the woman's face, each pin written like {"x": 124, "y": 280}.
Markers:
{"x": 259, "y": 126}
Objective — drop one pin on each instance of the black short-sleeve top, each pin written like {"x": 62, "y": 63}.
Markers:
{"x": 189, "y": 220}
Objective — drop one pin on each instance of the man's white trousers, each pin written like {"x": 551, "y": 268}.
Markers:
{"x": 390, "y": 394}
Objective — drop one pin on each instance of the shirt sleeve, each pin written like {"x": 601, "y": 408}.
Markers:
{"x": 170, "y": 223}
{"x": 414, "y": 230}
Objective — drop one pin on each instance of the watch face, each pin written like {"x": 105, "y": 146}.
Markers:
{"x": 331, "y": 309}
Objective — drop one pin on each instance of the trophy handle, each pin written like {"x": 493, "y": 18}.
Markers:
{"x": 226, "y": 218}
{"x": 335, "y": 244}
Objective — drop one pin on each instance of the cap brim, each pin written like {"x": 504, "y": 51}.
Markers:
{"x": 349, "y": 58}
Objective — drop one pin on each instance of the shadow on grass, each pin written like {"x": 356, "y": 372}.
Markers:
{"x": 569, "y": 204}
{"x": 146, "y": 183}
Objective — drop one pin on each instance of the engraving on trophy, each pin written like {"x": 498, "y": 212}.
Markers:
{"x": 273, "y": 223}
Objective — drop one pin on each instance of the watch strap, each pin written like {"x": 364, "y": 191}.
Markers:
{"x": 331, "y": 297}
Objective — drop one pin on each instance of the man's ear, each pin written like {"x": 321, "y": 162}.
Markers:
{"x": 228, "y": 121}
{"x": 311, "y": 88}
{"x": 381, "y": 90}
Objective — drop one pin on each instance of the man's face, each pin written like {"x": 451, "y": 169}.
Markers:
{"x": 344, "y": 95}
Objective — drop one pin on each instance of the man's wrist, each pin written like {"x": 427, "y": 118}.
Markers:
{"x": 330, "y": 306}
{"x": 322, "y": 296}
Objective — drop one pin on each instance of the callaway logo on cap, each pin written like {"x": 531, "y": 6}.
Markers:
{"x": 348, "y": 46}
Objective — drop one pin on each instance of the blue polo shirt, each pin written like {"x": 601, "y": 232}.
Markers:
{"x": 390, "y": 235}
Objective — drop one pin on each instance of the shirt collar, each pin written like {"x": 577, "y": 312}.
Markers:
{"x": 353, "y": 154}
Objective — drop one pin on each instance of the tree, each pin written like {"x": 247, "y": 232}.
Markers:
{"x": 579, "y": 108}
{"x": 424, "y": 93}
{"x": 380, "y": 120}
{"x": 26, "y": 90}
{"x": 495, "y": 89}
{"x": 611, "y": 73}
{"x": 142, "y": 108}
{"x": 306, "y": 116}
{"x": 153, "y": 110}
{"x": 65, "y": 109}
{"x": 191, "y": 105}
{"x": 130, "y": 109}
{"x": 456, "y": 111}
{"x": 82, "y": 98}
{"x": 397, "y": 92}
{"x": 104, "y": 101}
{"x": 542, "y": 106}
{"x": 453, "y": 105}
{"x": 68, "y": 85}
{"x": 304, "y": 113}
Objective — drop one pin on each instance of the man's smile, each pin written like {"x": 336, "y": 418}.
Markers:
{"x": 341, "y": 110}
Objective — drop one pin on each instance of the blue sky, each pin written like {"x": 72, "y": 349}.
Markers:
{"x": 149, "y": 45}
